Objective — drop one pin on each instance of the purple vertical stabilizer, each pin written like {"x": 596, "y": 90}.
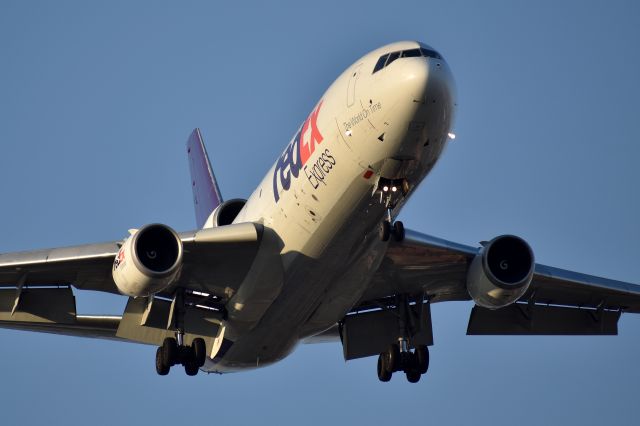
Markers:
{"x": 206, "y": 194}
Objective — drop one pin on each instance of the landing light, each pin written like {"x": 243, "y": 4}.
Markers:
{"x": 452, "y": 136}
{"x": 394, "y": 189}
{"x": 385, "y": 188}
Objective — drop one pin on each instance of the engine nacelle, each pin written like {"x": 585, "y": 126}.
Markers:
{"x": 501, "y": 272}
{"x": 148, "y": 262}
{"x": 225, "y": 213}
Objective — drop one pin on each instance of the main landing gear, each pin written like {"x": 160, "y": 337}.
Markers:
{"x": 171, "y": 353}
{"x": 173, "y": 350}
{"x": 413, "y": 364}
{"x": 410, "y": 354}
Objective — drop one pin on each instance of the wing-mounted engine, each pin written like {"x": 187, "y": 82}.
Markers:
{"x": 148, "y": 262}
{"x": 225, "y": 213}
{"x": 501, "y": 272}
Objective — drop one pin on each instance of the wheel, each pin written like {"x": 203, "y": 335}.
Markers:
{"x": 190, "y": 365}
{"x": 398, "y": 231}
{"x": 412, "y": 369}
{"x": 199, "y": 351}
{"x": 394, "y": 358}
{"x": 383, "y": 372}
{"x": 422, "y": 356}
{"x": 170, "y": 351}
{"x": 385, "y": 230}
{"x": 161, "y": 367}
{"x": 413, "y": 376}
{"x": 191, "y": 368}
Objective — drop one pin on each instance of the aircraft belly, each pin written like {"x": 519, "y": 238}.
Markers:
{"x": 316, "y": 291}
{"x": 325, "y": 217}
{"x": 306, "y": 280}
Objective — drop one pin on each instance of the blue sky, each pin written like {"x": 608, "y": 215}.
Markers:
{"x": 97, "y": 100}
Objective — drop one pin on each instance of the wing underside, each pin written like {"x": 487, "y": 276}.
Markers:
{"x": 36, "y": 291}
{"x": 557, "y": 302}
{"x": 422, "y": 270}
{"x": 37, "y": 287}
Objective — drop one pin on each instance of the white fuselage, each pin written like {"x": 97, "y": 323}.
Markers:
{"x": 317, "y": 203}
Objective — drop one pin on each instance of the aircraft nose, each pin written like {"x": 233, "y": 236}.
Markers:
{"x": 424, "y": 108}
{"x": 424, "y": 77}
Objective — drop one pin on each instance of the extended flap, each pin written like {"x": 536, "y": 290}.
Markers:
{"x": 146, "y": 322}
{"x": 524, "y": 319}
{"x": 42, "y": 305}
{"x": 370, "y": 333}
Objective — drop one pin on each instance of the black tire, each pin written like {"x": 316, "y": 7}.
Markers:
{"x": 170, "y": 351}
{"x": 385, "y": 231}
{"x": 199, "y": 351}
{"x": 191, "y": 368}
{"x": 413, "y": 376}
{"x": 412, "y": 369}
{"x": 398, "y": 231}
{"x": 384, "y": 375}
{"x": 422, "y": 355}
{"x": 161, "y": 367}
{"x": 395, "y": 363}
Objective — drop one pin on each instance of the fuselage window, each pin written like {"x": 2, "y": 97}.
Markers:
{"x": 380, "y": 63}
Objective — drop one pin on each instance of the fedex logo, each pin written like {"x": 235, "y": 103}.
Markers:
{"x": 119, "y": 259}
{"x": 297, "y": 153}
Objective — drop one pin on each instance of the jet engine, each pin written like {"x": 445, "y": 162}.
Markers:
{"x": 149, "y": 261}
{"x": 501, "y": 272}
{"x": 225, "y": 213}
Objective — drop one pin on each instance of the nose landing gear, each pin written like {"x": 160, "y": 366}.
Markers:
{"x": 387, "y": 230}
{"x": 390, "y": 192}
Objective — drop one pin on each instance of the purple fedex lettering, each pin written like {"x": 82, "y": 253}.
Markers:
{"x": 291, "y": 160}
{"x": 288, "y": 164}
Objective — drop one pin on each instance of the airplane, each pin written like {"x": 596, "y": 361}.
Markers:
{"x": 315, "y": 253}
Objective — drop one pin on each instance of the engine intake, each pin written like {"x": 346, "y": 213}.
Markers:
{"x": 149, "y": 261}
{"x": 501, "y": 272}
{"x": 225, "y": 213}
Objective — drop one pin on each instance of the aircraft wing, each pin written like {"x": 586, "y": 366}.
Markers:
{"x": 557, "y": 302}
{"x": 86, "y": 267}
{"x": 36, "y": 286}
{"x": 215, "y": 261}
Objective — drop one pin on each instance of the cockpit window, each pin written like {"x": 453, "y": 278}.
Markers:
{"x": 430, "y": 53}
{"x": 380, "y": 63}
{"x": 386, "y": 59}
{"x": 413, "y": 53}
{"x": 392, "y": 57}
